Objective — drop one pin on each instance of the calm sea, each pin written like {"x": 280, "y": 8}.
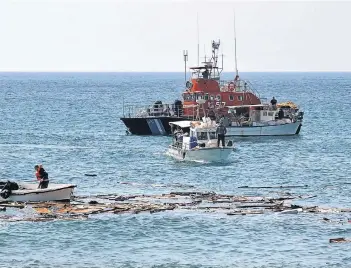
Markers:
{"x": 70, "y": 123}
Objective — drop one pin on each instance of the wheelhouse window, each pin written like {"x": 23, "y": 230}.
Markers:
{"x": 199, "y": 96}
{"x": 218, "y": 97}
{"x": 231, "y": 97}
{"x": 240, "y": 97}
{"x": 206, "y": 96}
{"x": 202, "y": 135}
{"x": 212, "y": 135}
{"x": 186, "y": 97}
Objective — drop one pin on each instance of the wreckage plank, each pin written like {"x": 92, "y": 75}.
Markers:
{"x": 271, "y": 187}
{"x": 42, "y": 210}
{"x": 12, "y": 205}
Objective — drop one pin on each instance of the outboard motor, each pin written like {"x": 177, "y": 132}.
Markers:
{"x": 300, "y": 115}
{"x": 6, "y": 190}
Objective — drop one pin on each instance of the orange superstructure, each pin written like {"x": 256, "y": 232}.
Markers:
{"x": 206, "y": 89}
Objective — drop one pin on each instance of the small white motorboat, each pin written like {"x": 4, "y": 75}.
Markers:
{"x": 200, "y": 145}
{"x": 29, "y": 192}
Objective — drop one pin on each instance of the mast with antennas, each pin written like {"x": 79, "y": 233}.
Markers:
{"x": 185, "y": 54}
{"x": 236, "y": 60}
{"x": 198, "y": 40}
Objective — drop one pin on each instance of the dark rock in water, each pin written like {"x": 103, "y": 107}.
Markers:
{"x": 295, "y": 206}
{"x": 90, "y": 175}
{"x": 2, "y": 208}
{"x": 93, "y": 202}
{"x": 339, "y": 240}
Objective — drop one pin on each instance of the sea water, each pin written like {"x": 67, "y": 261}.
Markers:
{"x": 70, "y": 123}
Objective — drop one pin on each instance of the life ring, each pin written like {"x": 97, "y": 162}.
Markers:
{"x": 231, "y": 86}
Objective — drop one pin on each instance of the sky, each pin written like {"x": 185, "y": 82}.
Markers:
{"x": 150, "y": 36}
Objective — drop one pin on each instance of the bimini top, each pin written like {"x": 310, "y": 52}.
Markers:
{"x": 205, "y": 126}
{"x": 195, "y": 124}
{"x": 282, "y": 104}
{"x": 182, "y": 124}
{"x": 248, "y": 105}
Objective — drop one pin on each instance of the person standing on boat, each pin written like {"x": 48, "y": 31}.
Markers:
{"x": 205, "y": 74}
{"x": 42, "y": 177}
{"x": 274, "y": 103}
{"x": 281, "y": 113}
{"x": 221, "y": 131}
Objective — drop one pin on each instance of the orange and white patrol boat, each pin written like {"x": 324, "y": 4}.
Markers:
{"x": 205, "y": 84}
{"x": 206, "y": 95}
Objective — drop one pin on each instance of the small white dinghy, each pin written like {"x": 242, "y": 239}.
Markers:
{"x": 200, "y": 145}
{"x": 29, "y": 192}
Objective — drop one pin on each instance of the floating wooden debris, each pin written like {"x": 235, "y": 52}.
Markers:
{"x": 42, "y": 210}
{"x": 12, "y": 205}
{"x": 291, "y": 211}
{"x": 271, "y": 187}
{"x": 336, "y": 221}
{"x": 81, "y": 207}
{"x": 174, "y": 185}
{"x": 193, "y": 193}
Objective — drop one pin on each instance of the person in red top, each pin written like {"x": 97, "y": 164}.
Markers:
{"x": 42, "y": 177}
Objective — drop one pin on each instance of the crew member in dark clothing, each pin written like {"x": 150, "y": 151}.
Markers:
{"x": 211, "y": 114}
{"x": 274, "y": 103}
{"x": 221, "y": 131}
{"x": 205, "y": 74}
{"x": 281, "y": 114}
{"x": 42, "y": 177}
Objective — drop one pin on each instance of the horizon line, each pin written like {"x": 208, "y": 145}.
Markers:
{"x": 271, "y": 71}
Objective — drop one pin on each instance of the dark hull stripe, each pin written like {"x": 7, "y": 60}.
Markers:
{"x": 150, "y": 126}
{"x": 160, "y": 126}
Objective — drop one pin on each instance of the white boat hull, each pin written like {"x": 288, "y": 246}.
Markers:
{"x": 202, "y": 154}
{"x": 55, "y": 192}
{"x": 269, "y": 130}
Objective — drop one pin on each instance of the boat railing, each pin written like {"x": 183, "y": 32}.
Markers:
{"x": 265, "y": 101}
{"x": 171, "y": 110}
{"x": 238, "y": 86}
{"x": 212, "y": 76}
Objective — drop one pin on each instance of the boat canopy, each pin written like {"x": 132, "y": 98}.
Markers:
{"x": 247, "y": 105}
{"x": 182, "y": 124}
{"x": 283, "y": 104}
